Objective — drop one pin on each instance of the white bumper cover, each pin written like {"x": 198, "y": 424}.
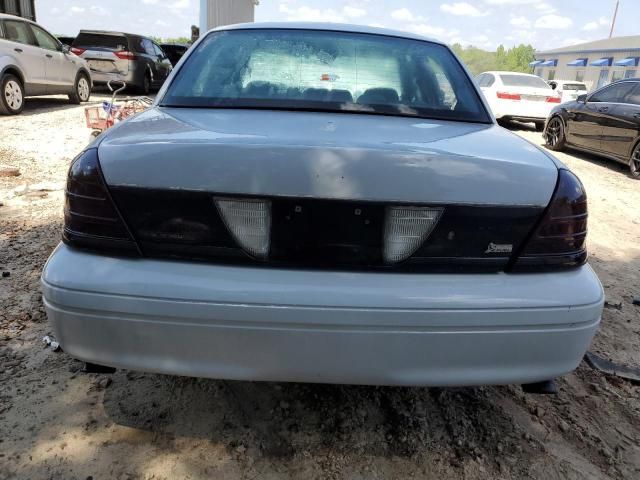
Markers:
{"x": 247, "y": 323}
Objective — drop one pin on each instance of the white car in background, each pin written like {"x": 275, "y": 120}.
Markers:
{"x": 518, "y": 96}
{"x": 568, "y": 90}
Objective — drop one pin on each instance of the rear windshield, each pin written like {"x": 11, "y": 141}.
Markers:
{"x": 523, "y": 81}
{"x": 326, "y": 71}
{"x": 574, "y": 86}
{"x": 112, "y": 42}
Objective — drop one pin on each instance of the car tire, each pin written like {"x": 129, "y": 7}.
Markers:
{"x": 634, "y": 162}
{"x": 11, "y": 95}
{"x": 554, "y": 134}
{"x": 81, "y": 90}
{"x": 539, "y": 126}
{"x": 145, "y": 88}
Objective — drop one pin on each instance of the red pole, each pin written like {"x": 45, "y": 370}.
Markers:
{"x": 615, "y": 15}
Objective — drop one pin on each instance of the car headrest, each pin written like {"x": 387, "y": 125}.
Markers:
{"x": 379, "y": 96}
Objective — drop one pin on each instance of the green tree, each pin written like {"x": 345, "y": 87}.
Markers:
{"x": 515, "y": 59}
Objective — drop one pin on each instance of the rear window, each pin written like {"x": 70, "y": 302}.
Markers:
{"x": 574, "y": 86}
{"x": 523, "y": 81}
{"x": 326, "y": 71}
{"x": 111, "y": 42}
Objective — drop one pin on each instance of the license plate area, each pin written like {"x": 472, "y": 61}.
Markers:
{"x": 534, "y": 98}
{"x": 102, "y": 66}
{"x": 327, "y": 233}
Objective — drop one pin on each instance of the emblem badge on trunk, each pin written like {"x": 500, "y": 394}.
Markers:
{"x": 499, "y": 248}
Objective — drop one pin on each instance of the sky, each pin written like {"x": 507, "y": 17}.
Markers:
{"x": 486, "y": 24}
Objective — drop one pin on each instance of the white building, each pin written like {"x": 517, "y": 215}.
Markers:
{"x": 594, "y": 63}
{"x": 215, "y": 13}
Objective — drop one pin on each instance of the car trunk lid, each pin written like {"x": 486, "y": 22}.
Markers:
{"x": 330, "y": 183}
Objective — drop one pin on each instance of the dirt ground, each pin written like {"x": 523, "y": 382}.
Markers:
{"x": 58, "y": 422}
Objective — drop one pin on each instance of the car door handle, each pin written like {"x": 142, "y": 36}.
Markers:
{"x": 603, "y": 109}
{"x": 636, "y": 115}
{"x": 48, "y": 55}
{"x": 19, "y": 50}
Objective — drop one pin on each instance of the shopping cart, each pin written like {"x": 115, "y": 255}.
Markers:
{"x": 101, "y": 117}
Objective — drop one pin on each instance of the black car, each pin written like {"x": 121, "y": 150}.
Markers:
{"x": 136, "y": 60}
{"x": 174, "y": 51}
{"x": 605, "y": 122}
{"x": 66, "y": 40}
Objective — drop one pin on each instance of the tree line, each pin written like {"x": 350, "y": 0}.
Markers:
{"x": 515, "y": 59}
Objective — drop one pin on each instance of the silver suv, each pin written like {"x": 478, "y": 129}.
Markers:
{"x": 33, "y": 62}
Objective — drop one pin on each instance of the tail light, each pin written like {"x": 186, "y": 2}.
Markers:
{"x": 405, "y": 230}
{"x": 91, "y": 219}
{"x": 559, "y": 240}
{"x": 553, "y": 99}
{"x": 249, "y": 221}
{"x": 508, "y": 96}
{"x": 125, "y": 55}
{"x": 78, "y": 51}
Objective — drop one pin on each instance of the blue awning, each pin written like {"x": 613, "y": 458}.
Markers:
{"x": 535, "y": 63}
{"x": 628, "y": 62}
{"x": 603, "y": 62}
{"x": 550, "y": 63}
{"x": 578, "y": 62}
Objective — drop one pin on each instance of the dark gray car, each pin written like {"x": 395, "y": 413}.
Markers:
{"x": 134, "y": 59}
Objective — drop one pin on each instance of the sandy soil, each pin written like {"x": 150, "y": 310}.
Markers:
{"x": 58, "y": 422}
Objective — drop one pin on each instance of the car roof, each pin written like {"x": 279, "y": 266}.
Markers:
{"x": 504, "y": 72}
{"x": 332, "y": 27}
{"x": 109, "y": 32}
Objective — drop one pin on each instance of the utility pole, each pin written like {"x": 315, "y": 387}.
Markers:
{"x": 615, "y": 16}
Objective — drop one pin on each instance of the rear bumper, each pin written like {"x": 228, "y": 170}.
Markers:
{"x": 290, "y": 325}
{"x": 523, "y": 111}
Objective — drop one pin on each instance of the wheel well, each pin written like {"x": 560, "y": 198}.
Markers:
{"x": 13, "y": 71}
{"x": 84, "y": 72}
{"x": 635, "y": 145}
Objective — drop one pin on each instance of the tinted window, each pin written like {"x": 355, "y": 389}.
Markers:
{"x": 158, "y": 51}
{"x": 44, "y": 39}
{"x": 614, "y": 93}
{"x": 490, "y": 80}
{"x": 137, "y": 44}
{"x": 148, "y": 47}
{"x": 328, "y": 71}
{"x": 111, "y": 42}
{"x": 18, "y": 32}
{"x": 523, "y": 81}
{"x": 634, "y": 96}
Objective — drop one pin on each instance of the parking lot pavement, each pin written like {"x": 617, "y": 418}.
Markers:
{"x": 57, "y": 422}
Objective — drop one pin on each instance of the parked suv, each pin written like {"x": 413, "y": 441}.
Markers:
{"x": 33, "y": 62}
{"x": 134, "y": 59}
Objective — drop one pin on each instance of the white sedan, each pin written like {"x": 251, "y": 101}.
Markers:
{"x": 568, "y": 90}
{"x": 323, "y": 203}
{"x": 518, "y": 96}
